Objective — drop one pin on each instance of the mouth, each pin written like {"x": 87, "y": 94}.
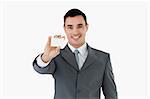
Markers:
{"x": 76, "y": 37}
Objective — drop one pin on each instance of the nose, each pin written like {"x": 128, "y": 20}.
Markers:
{"x": 76, "y": 31}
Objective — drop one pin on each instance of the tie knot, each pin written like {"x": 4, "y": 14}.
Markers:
{"x": 76, "y": 51}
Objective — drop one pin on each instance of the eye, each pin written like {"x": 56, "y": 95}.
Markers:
{"x": 80, "y": 26}
{"x": 69, "y": 27}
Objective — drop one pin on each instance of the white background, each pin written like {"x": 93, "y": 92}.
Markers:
{"x": 120, "y": 28}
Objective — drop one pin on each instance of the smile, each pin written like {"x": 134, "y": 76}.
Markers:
{"x": 76, "y": 37}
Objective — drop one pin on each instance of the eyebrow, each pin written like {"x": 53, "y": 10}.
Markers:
{"x": 69, "y": 25}
{"x": 80, "y": 24}
{"x": 77, "y": 24}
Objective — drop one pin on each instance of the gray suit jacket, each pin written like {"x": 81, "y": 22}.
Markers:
{"x": 72, "y": 83}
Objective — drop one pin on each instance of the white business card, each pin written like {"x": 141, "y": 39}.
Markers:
{"x": 58, "y": 40}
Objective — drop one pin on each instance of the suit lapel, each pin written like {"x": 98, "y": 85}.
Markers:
{"x": 90, "y": 58}
{"x": 68, "y": 55}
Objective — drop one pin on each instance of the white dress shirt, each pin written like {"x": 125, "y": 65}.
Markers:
{"x": 83, "y": 52}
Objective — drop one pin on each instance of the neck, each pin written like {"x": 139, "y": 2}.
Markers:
{"x": 77, "y": 46}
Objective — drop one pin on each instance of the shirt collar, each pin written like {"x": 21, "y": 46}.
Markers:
{"x": 81, "y": 49}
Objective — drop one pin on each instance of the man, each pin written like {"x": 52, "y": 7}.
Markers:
{"x": 79, "y": 70}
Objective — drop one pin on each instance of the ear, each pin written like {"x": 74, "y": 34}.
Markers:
{"x": 64, "y": 29}
{"x": 87, "y": 26}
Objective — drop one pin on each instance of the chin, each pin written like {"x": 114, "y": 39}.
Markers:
{"x": 77, "y": 45}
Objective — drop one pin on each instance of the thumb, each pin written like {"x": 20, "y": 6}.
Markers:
{"x": 58, "y": 49}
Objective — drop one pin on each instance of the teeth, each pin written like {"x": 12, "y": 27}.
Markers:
{"x": 75, "y": 37}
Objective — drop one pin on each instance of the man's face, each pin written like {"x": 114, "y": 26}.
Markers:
{"x": 75, "y": 29}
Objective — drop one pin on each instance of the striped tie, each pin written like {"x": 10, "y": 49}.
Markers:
{"x": 77, "y": 56}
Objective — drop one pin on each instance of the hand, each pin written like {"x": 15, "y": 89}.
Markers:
{"x": 50, "y": 51}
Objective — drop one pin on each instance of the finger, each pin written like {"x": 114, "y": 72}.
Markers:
{"x": 49, "y": 40}
{"x": 48, "y": 43}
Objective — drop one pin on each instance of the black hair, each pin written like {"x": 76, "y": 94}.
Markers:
{"x": 75, "y": 12}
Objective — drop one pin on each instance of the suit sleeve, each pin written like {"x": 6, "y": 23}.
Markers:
{"x": 108, "y": 85}
{"x": 49, "y": 69}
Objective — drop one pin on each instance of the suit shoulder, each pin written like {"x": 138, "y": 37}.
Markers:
{"x": 100, "y": 52}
